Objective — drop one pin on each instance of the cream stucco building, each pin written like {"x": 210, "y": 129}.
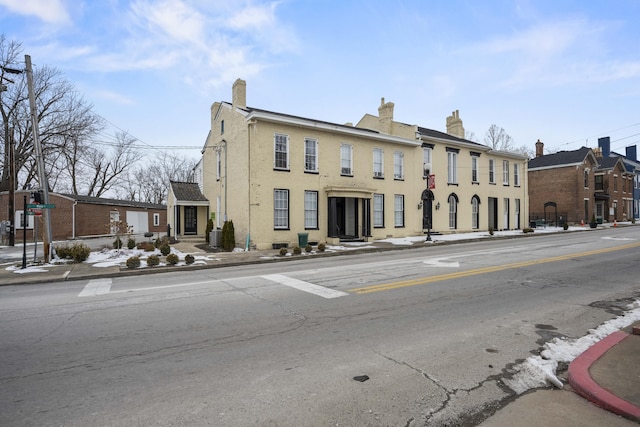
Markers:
{"x": 276, "y": 175}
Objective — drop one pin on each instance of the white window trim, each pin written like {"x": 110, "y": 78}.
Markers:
{"x": 275, "y": 137}
{"x": 398, "y": 211}
{"x": 156, "y": 219}
{"x": 315, "y": 143}
{"x": 452, "y": 167}
{"x": 275, "y": 209}
{"x": 505, "y": 172}
{"x": 378, "y": 173}
{"x": 398, "y": 165}
{"x": 475, "y": 161}
{"x": 350, "y": 159}
{"x": 426, "y": 162}
{"x": 492, "y": 171}
{"x": 314, "y": 219}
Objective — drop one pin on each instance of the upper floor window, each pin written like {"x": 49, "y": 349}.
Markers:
{"x": 378, "y": 163}
{"x": 505, "y": 172}
{"x": 426, "y": 161}
{"x": 398, "y": 165}
{"x": 221, "y": 127}
{"x": 615, "y": 183}
{"x": 492, "y": 171}
{"x": 516, "y": 174}
{"x": 586, "y": 179}
{"x": 310, "y": 155}
{"x": 281, "y": 152}
{"x": 474, "y": 168}
{"x": 599, "y": 181}
{"x": 452, "y": 167}
{"x": 346, "y": 159}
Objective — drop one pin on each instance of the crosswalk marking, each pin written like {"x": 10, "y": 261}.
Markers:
{"x": 305, "y": 286}
{"x": 96, "y": 287}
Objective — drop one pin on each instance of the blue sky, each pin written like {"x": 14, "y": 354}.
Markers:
{"x": 566, "y": 72}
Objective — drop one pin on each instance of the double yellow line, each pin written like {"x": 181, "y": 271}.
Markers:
{"x": 484, "y": 270}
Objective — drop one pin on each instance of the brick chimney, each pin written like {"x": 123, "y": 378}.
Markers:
{"x": 385, "y": 116}
{"x": 454, "y": 125}
{"x": 539, "y": 148}
{"x": 239, "y": 94}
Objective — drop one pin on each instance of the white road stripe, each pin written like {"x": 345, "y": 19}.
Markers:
{"x": 96, "y": 287}
{"x": 305, "y": 286}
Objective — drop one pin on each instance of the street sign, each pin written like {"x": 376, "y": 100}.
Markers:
{"x": 35, "y": 212}
{"x": 41, "y": 206}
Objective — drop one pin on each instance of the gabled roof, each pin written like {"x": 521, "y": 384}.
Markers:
{"x": 187, "y": 191}
{"x": 610, "y": 162}
{"x": 560, "y": 159}
{"x": 112, "y": 202}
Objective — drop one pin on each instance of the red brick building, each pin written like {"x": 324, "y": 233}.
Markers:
{"x": 82, "y": 216}
{"x": 573, "y": 186}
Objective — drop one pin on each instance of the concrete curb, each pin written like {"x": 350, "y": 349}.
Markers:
{"x": 585, "y": 386}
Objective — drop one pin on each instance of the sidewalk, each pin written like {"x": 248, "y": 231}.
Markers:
{"x": 607, "y": 374}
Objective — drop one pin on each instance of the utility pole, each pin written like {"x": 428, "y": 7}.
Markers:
{"x": 12, "y": 184}
{"x": 42, "y": 176}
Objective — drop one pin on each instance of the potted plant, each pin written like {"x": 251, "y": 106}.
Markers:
{"x": 593, "y": 223}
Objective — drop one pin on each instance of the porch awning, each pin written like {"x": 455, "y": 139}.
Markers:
{"x": 355, "y": 192}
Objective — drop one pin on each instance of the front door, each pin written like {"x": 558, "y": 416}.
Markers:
{"x": 190, "y": 220}
{"x": 343, "y": 217}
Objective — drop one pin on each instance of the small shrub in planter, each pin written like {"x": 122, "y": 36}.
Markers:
{"x": 565, "y": 226}
{"x": 321, "y": 247}
{"x": 133, "y": 262}
{"x": 308, "y": 248}
{"x": 491, "y": 231}
{"x": 117, "y": 244}
{"x": 80, "y": 252}
{"x": 63, "y": 252}
{"x": 165, "y": 249}
{"x": 297, "y": 250}
{"x": 189, "y": 259}
{"x": 153, "y": 260}
{"x": 283, "y": 251}
{"x": 131, "y": 243}
{"x": 172, "y": 259}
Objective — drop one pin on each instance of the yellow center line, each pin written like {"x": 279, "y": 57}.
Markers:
{"x": 483, "y": 270}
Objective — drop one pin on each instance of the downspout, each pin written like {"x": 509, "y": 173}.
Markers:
{"x": 73, "y": 220}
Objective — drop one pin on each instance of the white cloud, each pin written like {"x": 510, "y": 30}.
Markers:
{"x": 51, "y": 11}
{"x": 173, "y": 20}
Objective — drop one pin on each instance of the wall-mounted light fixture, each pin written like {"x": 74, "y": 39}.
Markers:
{"x": 437, "y": 205}
{"x": 420, "y": 205}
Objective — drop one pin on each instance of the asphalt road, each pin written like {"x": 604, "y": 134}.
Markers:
{"x": 434, "y": 331}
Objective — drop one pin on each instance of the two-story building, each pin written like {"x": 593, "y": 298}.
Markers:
{"x": 276, "y": 175}
{"x": 630, "y": 161}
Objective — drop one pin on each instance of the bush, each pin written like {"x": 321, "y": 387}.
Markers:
{"x": 308, "y": 248}
{"x": 133, "y": 262}
{"x": 165, "y": 249}
{"x": 80, "y": 252}
{"x": 321, "y": 247}
{"x": 63, "y": 252}
{"x": 153, "y": 260}
{"x": 527, "y": 230}
{"x": 491, "y": 231}
{"x": 189, "y": 259}
{"x": 565, "y": 226}
{"x": 131, "y": 243}
{"x": 283, "y": 251}
{"x": 117, "y": 244}
{"x": 297, "y": 250}
{"x": 228, "y": 236}
{"x": 172, "y": 259}
{"x": 146, "y": 246}
{"x": 209, "y": 229}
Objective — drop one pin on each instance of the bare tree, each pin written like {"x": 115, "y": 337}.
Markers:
{"x": 150, "y": 182}
{"x": 498, "y": 139}
{"x": 63, "y": 116}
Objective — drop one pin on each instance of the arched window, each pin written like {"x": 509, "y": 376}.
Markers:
{"x": 453, "y": 211}
{"x": 475, "y": 212}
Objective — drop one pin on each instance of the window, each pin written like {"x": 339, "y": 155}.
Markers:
{"x": 156, "y": 219}
{"x": 378, "y": 210}
{"x": 474, "y": 168}
{"x": 517, "y": 219}
{"x": 452, "y": 164}
{"x": 505, "y": 172}
{"x": 221, "y": 127}
{"x": 516, "y": 174}
{"x": 599, "y": 182}
{"x": 281, "y": 209}
{"x": 218, "y": 165}
{"x": 398, "y": 210}
{"x": 426, "y": 162}
{"x": 398, "y": 165}
{"x": 492, "y": 171}
{"x": 346, "y": 159}
{"x": 475, "y": 212}
{"x": 20, "y": 219}
{"x": 586, "y": 178}
{"x": 453, "y": 211}
{"x": 310, "y": 155}
{"x": 378, "y": 163}
{"x": 311, "y": 210}
{"x": 615, "y": 183}
{"x": 281, "y": 152}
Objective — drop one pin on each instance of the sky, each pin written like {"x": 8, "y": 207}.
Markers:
{"x": 565, "y": 72}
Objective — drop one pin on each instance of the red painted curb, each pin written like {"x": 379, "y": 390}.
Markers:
{"x": 585, "y": 386}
